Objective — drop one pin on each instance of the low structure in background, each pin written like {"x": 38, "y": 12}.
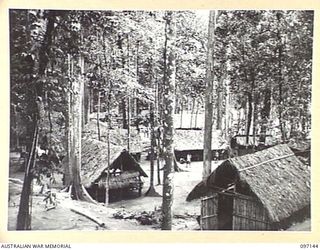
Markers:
{"x": 117, "y": 136}
{"x": 124, "y": 172}
{"x": 241, "y": 146}
{"x": 191, "y": 142}
{"x": 267, "y": 190}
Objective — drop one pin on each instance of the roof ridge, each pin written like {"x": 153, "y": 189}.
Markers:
{"x": 264, "y": 162}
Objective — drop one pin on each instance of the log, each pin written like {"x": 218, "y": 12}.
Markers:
{"x": 88, "y": 196}
{"x": 16, "y": 181}
{"x": 88, "y": 216}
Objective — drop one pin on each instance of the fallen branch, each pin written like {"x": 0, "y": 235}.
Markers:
{"x": 16, "y": 181}
{"x": 88, "y": 216}
{"x": 87, "y": 196}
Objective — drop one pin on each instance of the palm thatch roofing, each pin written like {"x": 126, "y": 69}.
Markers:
{"x": 193, "y": 140}
{"x": 118, "y": 137}
{"x": 94, "y": 160}
{"x": 274, "y": 175}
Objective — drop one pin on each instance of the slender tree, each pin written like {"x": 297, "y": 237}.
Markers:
{"x": 207, "y": 157}
{"x": 169, "y": 84}
{"x": 37, "y": 123}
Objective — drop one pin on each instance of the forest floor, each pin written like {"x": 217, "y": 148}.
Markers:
{"x": 62, "y": 218}
{"x": 127, "y": 211}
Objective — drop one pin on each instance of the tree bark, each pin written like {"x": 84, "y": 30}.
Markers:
{"x": 24, "y": 215}
{"x": 219, "y": 100}
{"x": 280, "y": 79}
{"x": 265, "y": 114}
{"x": 124, "y": 113}
{"x": 98, "y": 115}
{"x": 77, "y": 135}
{"x": 249, "y": 116}
{"x": 207, "y": 156}
{"x": 181, "y": 114}
{"x": 128, "y": 128}
{"x": 36, "y": 125}
{"x": 196, "y": 116}
{"x": 192, "y": 111}
{"x": 151, "y": 191}
{"x": 86, "y": 103}
{"x": 168, "y": 98}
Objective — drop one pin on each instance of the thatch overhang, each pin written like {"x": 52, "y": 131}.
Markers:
{"x": 275, "y": 176}
{"x": 94, "y": 161}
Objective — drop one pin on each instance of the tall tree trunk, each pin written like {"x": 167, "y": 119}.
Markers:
{"x": 254, "y": 118}
{"x": 151, "y": 191}
{"x": 192, "y": 111}
{"x": 196, "y": 116}
{"x": 69, "y": 131}
{"x": 37, "y": 114}
{"x": 108, "y": 83}
{"x": 153, "y": 144}
{"x": 86, "y": 103}
{"x": 24, "y": 213}
{"x": 219, "y": 100}
{"x": 76, "y": 127}
{"x": 280, "y": 79}
{"x": 265, "y": 114}
{"x": 218, "y": 108}
{"x": 157, "y": 124}
{"x": 128, "y": 128}
{"x": 124, "y": 113}
{"x": 169, "y": 85}
{"x": 207, "y": 156}
{"x": 91, "y": 100}
{"x": 181, "y": 114}
{"x": 108, "y": 143}
{"x": 98, "y": 115}
{"x": 249, "y": 117}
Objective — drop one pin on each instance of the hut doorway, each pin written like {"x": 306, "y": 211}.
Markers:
{"x": 225, "y": 212}
{"x": 232, "y": 211}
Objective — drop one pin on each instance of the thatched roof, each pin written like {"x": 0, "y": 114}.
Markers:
{"x": 118, "y": 137}
{"x": 276, "y": 176}
{"x": 193, "y": 140}
{"x": 94, "y": 160}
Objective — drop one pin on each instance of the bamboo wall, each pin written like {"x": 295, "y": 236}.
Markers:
{"x": 209, "y": 213}
{"x": 247, "y": 214}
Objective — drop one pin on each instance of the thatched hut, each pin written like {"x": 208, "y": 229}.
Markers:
{"x": 191, "y": 142}
{"x": 124, "y": 171}
{"x": 267, "y": 190}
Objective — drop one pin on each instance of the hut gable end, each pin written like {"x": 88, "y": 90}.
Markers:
{"x": 94, "y": 160}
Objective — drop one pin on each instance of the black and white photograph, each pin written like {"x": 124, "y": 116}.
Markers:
{"x": 176, "y": 120}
